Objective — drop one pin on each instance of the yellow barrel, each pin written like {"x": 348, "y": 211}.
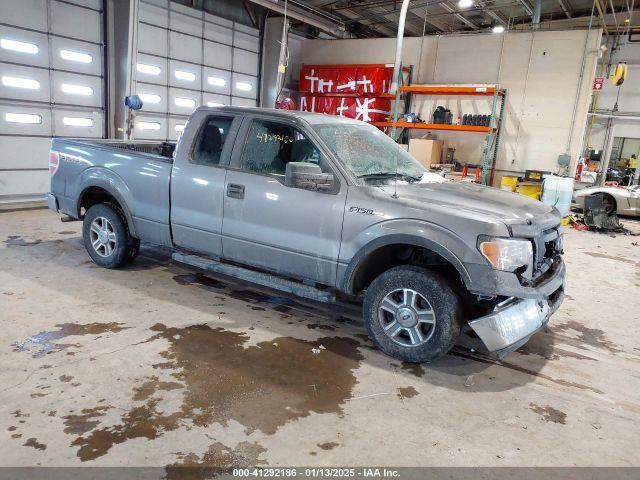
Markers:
{"x": 509, "y": 183}
{"x": 530, "y": 189}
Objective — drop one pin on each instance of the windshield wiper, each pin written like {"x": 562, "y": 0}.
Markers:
{"x": 383, "y": 175}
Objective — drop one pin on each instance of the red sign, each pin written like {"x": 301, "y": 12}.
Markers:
{"x": 354, "y": 91}
{"x": 598, "y": 83}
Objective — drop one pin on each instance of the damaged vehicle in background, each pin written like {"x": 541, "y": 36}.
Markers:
{"x": 316, "y": 205}
{"x": 615, "y": 199}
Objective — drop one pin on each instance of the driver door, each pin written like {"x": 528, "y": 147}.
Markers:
{"x": 269, "y": 225}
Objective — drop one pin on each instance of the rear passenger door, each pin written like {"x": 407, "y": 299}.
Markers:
{"x": 197, "y": 182}
{"x": 269, "y": 225}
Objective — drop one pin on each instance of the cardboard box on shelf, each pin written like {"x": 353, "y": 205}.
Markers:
{"x": 426, "y": 151}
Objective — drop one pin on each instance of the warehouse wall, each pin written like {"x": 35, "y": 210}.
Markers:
{"x": 541, "y": 71}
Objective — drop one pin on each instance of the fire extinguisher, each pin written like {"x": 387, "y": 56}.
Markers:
{"x": 579, "y": 168}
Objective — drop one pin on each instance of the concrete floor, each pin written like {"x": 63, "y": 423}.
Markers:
{"x": 154, "y": 365}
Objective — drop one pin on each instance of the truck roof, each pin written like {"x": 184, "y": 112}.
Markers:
{"x": 313, "y": 118}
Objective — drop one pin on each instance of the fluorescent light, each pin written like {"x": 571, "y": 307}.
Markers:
{"x": 244, "y": 86}
{"x": 215, "y": 104}
{"x": 76, "y": 56}
{"x": 179, "y": 128}
{"x": 16, "y": 46}
{"x": 498, "y": 29}
{"x": 17, "y": 82}
{"x": 76, "y": 89}
{"x": 149, "y": 97}
{"x": 217, "y": 81}
{"x": 148, "y": 69}
{"x": 188, "y": 76}
{"x": 184, "y": 102}
{"x": 465, "y": 3}
{"x": 77, "y": 122}
{"x": 148, "y": 125}
{"x": 22, "y": 118}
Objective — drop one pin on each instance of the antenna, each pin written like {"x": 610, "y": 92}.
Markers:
{"x": 395, "y": 177}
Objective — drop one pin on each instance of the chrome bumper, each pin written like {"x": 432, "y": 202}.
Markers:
{"x": 514, "y": 321}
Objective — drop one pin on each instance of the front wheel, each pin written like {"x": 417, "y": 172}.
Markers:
{"x": 412, "y": 314}
{"x": 106, "y": 236}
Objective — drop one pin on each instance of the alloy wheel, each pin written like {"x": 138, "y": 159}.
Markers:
{"x": 407, "y": 317}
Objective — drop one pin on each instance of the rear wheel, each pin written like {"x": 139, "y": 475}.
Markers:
{"x": 412, "y": 314}
{"x": 106, "y": 236}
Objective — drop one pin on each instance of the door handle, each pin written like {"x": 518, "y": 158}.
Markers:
{"x": 235, "y": 191}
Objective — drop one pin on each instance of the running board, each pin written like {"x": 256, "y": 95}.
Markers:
{"x": 259, "y": 278}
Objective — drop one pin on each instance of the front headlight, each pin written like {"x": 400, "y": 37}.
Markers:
{"x": 507, "y": 254}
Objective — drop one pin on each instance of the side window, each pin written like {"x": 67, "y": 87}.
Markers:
{"x": 210, "y": 141}
{"x": 271, "y": 145}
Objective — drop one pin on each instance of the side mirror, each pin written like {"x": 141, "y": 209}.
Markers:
{"x": 307, "y": 176}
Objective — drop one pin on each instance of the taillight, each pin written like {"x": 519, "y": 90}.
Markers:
{"x": 54, "y": 162}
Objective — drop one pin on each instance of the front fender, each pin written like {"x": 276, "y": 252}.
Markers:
{"x": 112, "y": 183}
{"x": 419, "y": 233}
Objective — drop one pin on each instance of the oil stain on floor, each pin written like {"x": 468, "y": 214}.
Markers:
{"x": 549, "y": 414}
{"x": 260, "y": 386}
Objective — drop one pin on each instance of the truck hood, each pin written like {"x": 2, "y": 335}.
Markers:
{"x": 506, "y": 206}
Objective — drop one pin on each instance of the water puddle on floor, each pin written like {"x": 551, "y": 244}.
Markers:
{"x": 18, "y": 241}
{"x": 44, "y": 343}
{"x": 260, "y": 386}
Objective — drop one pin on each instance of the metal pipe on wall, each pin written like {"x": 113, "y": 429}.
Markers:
{"x": 397, "y": 66}
{"x": 537, "y": 11}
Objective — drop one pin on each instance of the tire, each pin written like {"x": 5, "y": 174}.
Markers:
{"x": 609, "y": 204}
{"x": 437, "y": 314}
{"x": 115, "y": 248}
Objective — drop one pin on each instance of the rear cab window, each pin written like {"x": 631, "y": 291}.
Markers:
{"x": 210, "y": 141}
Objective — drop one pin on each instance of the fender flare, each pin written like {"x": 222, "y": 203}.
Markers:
{"x": 113, "y": 185}
{"x": 401, "y": 238}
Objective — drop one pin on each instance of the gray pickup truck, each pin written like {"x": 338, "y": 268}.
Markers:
{"x": 319, "y": 205}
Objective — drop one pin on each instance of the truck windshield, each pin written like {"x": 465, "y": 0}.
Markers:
{"x": 371, "y": 155}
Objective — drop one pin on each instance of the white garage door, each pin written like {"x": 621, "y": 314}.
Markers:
{"x": 50, "y": 85}
{"x": 187, "y": 58}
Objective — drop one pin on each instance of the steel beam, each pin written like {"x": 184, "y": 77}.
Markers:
{"x": 457, "y": 15}
{"x": 565, "y": 8}
{"x": 306, "y": 14}
{"x": 527, "y": 6}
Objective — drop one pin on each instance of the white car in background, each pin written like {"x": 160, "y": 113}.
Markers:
{"x": 617, "y": 199}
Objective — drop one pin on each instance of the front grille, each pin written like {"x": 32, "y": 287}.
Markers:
{"x": 545, "y": 248}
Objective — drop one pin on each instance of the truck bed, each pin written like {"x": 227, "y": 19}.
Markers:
{"x": 138, "y": 171}
{"x": 161, "y": 149}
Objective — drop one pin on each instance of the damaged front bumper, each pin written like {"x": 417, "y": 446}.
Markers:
{"x": 513, "y": 321}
